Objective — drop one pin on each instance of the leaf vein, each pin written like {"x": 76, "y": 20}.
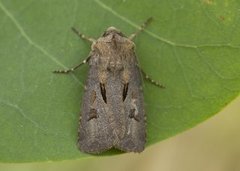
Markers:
{"x": 109, "y": 9}
{"x": 219, "y": 75}
{"x": 184, "y": 75}
{"x": 31, "y": 42}
{"x": 23, "y": 114}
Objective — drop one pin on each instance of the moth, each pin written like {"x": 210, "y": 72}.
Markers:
{"x": 112, "y": 111}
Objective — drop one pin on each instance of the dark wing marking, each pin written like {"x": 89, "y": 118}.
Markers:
{"x": 103, "y": 92}
{"x": 125, "y": 91}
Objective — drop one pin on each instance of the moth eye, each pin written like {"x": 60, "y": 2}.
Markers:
{"x": 103, "y": 92}
{"x": 125, "y": 91}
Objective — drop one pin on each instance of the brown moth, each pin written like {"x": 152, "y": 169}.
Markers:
{"x": 112, "y": 112}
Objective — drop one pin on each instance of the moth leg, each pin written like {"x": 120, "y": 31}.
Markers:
{"x": 73, "y": 68}
{"x": 142, "y": 27}
{"x": 82, "y": 36}
{"x": 152, "y": 81}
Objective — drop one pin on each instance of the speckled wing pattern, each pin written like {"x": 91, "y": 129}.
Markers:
{"x": 112, "y": 112}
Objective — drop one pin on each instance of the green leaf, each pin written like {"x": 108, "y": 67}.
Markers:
{"x": 192, "y": 47}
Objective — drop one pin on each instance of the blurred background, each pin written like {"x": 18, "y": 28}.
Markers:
{"x": 213, "y": 145}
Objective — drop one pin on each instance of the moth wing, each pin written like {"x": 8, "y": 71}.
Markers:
{"x": 94, "y": 132}
{"x": 135, "y": 126}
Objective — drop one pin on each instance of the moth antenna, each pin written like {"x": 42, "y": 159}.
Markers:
{"x": 142, "y": 27}
{"x": 82, "y": 36}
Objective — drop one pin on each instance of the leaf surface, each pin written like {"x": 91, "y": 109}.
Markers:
{"x": 192, "y": 47}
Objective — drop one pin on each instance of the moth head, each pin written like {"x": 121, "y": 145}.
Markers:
{"x": 113, "y": 31}
{"x": 113, "y": 39}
